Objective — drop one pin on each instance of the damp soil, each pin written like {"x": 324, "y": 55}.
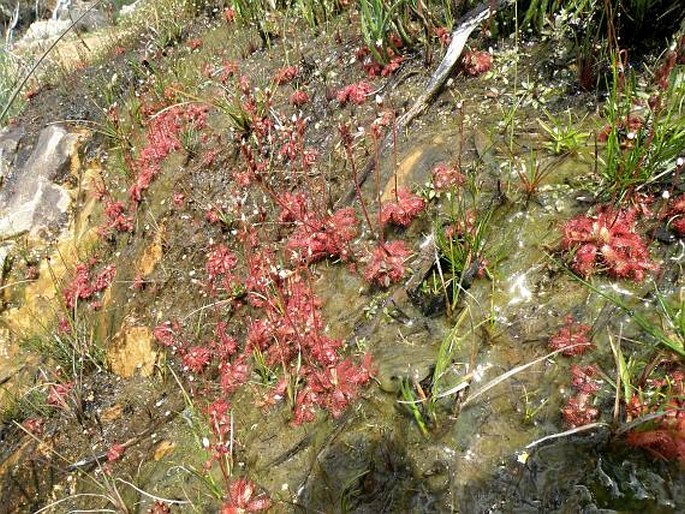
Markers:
{"x": 374, "y": 457}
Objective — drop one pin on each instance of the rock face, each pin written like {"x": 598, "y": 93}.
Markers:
{"x": 132, "y": 351}
{"x": 44, "y": 30}
{"x": 30, "y": 201}
{"x": 64, "y": 14}
{"x": 9, "y": 146}
{"x": 67, "y": 10}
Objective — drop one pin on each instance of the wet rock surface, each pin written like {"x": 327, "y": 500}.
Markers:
{"x": 141, "y": 410}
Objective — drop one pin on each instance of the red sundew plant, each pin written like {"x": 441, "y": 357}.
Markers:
{"x": 464, "y": 226}
{"x": 333, "y": 388}
{"x": 664, "y": 437}
{"x": 476, "y": 62}
{"x": 117, "y": 219}
{"x": 355, "y": 93}
{"x": 233, "y": 374}
{"x": 443, "y": 35}
{"x": 571, "y": 334}
{"x": 330, "y": 236}
{"x": 661, "y": 443}
{"x": 196, "y": 359}
{"x": 166, "y": 334}
{"x": 403, "y": 210}
{"x": 115, "y": 452}
{"x": 242, "y": 498}
{"x": 57, "y": 394}
{"x": 392, "y": 66}
{"x": 285, "y": 75}
{"x": 228, "y": 71}
{"x": 607, "y": 242}
{"x": 293, "y": 207}
{"x": 223, "y": 345}
{"x": 387, "y": 263}
{"x": 447, "y": 177}
{"x": 194, "y": 44}
{"x": 163, "y": 137}
{"x": 34, "y": 425}
{"x": 676, "y": 214}
{"x": 291, "y": 335}
{"x": 583, "y": 379}
{"x": 579, "y": 411}
{"x": 221, "y": 263}
{"x": 229, "y": 15}
{"x": 631, "y": 125}
{"x": 83, "y": 285}
{"x": 299, "y": 98}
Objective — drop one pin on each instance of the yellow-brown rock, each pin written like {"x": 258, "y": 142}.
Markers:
{"x": 132, "y": 351}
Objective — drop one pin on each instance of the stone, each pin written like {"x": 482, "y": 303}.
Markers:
{"x": 162, "y": 449}
{"x": 132, "y": 351}
{"x": 152, "y": 254}
{"x": 72, "y": 9}
{"x": 127, "y": 10}
{"x": 10, "y": 139}
{"x": 112, "y": 413}
{"x": 30, "y": 201}
{"x": 43, "y": 30}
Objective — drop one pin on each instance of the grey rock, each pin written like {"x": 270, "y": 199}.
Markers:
{"x": 10, "y": 139}
{"x": 71, "y": 10}
{"x": 30, "y": 201}
{"x": 43, "y": 30}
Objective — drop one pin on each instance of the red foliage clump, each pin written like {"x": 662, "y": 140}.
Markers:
{"x": 607, "y": 241}
{"x": 665, "y": 437}
{"x": 228, "y": 70}
{"x": 221, "y": 263}
{"x": 662, "y": 443}
{"x": 299, "y": 98}
{"x": 285, "y": 75}
{"x": 163, "y": 137}
{"x": 443, "y": 35}
{"x": 476, "y": 62}
{"x": 333, "y": 388}
{"x": 631, "y": 125}
{"x": 83, "y": 285}
{"x": 229, "y": 15}
{"x": 293, "y": 207}
{"x": 194, "y": 44}
{"x": 242, "y": 498}
{"x": 117, "y": 219}
{"x": 223, "y": 346}
{"x": 446, "y": 178}
{"x": 355, "y": 93}
{"x": 57, "y": 394}
{"x": 291, "y": 335}
{"x": 402, "y": 211}
{"x": 219, "y": 417}
{"x": 676, "y": 214}
{"x": 115, "y": 452}
{"x": 233, "y": 374}
{"x": 579, "y": 411}
{"x": 571, "y": 334}
{"x": 387, "y": 263}
{"x": 392, "y": 66}
{"x": 583, "y": 379}
{"x": 317, "y": 238}
{"x": 166, "y": 334}
{"x": 196, "y": 359}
